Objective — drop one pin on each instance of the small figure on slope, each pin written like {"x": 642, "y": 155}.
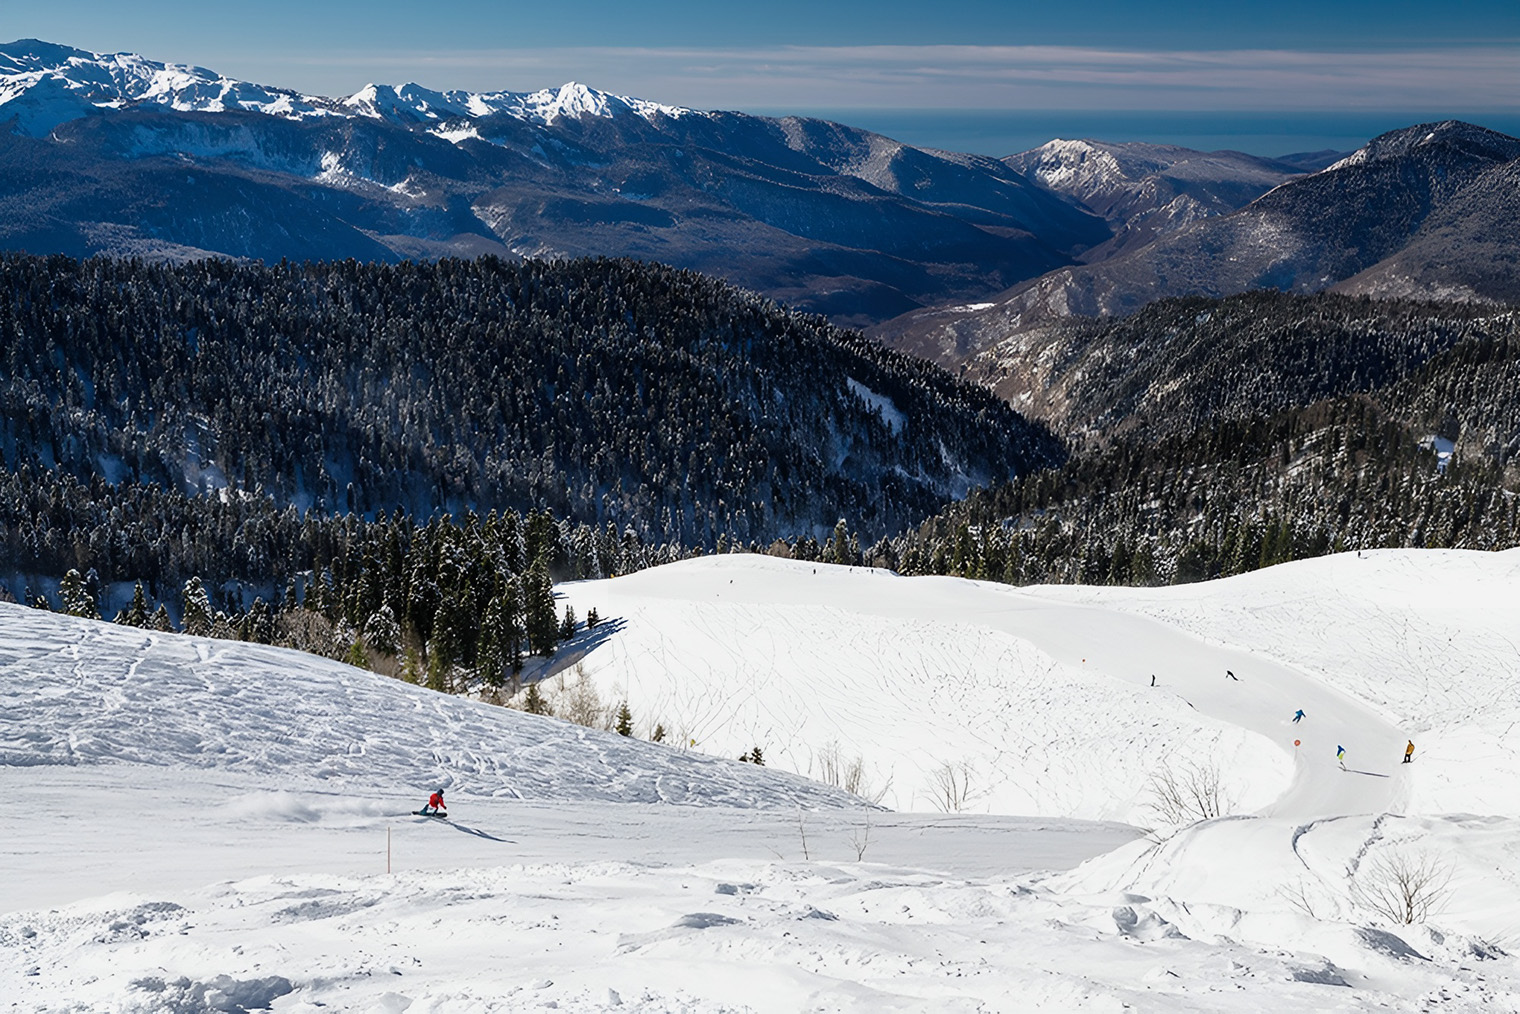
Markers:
{"x": 1232, "y": 676}
{"x": 435, "y": 806}
{"x": 1409, "y": 752}
{"x": 1297, "y": 715}
{"x": 1340, "y": 755}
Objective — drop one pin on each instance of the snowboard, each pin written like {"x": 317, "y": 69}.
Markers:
{"x": 424, "y": 813}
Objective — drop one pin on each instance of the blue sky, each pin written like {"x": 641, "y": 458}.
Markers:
{"x": 1410, "y": 61}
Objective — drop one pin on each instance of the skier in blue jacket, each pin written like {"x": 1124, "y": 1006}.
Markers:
{"x": 1297, "y": 715}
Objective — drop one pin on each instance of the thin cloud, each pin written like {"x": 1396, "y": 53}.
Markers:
{"x": 967, "y": 77}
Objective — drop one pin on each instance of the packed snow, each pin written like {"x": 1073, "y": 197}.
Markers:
{"x": 213, "y": 826}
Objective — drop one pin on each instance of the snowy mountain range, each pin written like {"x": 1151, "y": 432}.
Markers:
{"x": 1145, "y": 190}
{"x": 44, "y": 85}
{"x": 116, "y": 154}
{"x": 1426, "y": 212}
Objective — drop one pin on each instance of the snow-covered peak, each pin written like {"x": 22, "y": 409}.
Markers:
{"x": 43, "y": 85}
{"x": 1073, "y": 165}
{"x": 1468, "y": 137}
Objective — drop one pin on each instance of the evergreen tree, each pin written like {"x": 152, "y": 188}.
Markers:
{"x": 839, "y": 544}
{"x": 533, "y": 701}
{"x": 196, "y": 616}
{"x": 592, "y": 618}
{"x": 411, "y": 666}
{"x": 541, "y": 617}
{"x": 567, "y": 625}
{"x": 136, "y": 614}
{"x": 382, "y": 632}
{"x": 624, "y": 726}
{"x": 161, "y": 621}
{"x": 76, "y": 598}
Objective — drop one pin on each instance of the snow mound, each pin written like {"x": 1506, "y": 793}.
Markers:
{"x": 1040, "y": 700}
{"x": 81, "y": 692}
{"x": 1428, "y": 639}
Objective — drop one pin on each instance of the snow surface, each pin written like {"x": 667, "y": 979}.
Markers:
{"x": 204, "y": 826}
{"x": 83, "y": 692}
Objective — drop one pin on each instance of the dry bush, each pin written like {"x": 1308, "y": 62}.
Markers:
{"x": 951, "y": 785}
{"x": 576, "y": 700}
{"x": 1188, "y": 795}
{"x": 1404, "y": 887}
{"x": 850, "y": 775}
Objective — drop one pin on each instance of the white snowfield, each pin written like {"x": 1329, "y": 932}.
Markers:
{"x": 206, "y": 826}
{"x": 1042, "y": 697}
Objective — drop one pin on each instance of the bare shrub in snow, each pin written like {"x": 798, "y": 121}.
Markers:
{"x": 860, "y": 839}
{"x": 834, "y": 769}
{"x": 951, "y": 787}
{"x": 1189, "y": 794}
{"x": 575, "y": 700}
{"x": 1299, "y": 897}
{"x": 1402, "y": 886}
{"x": 305, "y": 630}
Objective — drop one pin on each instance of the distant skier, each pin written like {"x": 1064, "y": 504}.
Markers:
{"x": 1409, "y": 752}
{"x": 1340, "y": 755}
{"x": 1232, "y": 676}
{"x": 435, "y": 806}
{"x": 1153, "y": 679}
{"x": 1297, "y": 715}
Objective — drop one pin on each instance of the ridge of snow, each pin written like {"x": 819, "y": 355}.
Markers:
{"x": 84, "y": 692}
{"x": 1407, "y": 140}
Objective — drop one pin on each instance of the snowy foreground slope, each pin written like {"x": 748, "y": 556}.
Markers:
{"x": 82, "y": 692}
{"x": 202, "y": 826}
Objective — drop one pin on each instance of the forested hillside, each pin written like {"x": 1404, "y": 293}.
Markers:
{"x": 605, "y": 391}
{"x": 1417, "y": 444}
{"x": 456, "y": 602}
{"x": 1181, "y": 364}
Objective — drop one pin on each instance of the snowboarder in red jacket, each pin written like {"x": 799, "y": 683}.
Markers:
{"x": 435, "y": 804}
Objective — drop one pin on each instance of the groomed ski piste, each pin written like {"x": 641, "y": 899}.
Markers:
{"x": 199, "y": 825}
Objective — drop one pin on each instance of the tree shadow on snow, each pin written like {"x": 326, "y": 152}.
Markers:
{"x": 570, "y": 652}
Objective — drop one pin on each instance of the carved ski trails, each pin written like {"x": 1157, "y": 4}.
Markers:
{"x": 1047, "y": 701}
{"x": 83, "y": 692}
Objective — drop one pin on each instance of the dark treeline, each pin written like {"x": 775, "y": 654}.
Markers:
{"x": 604, "y": 391}
{"x": 456, "y": 602}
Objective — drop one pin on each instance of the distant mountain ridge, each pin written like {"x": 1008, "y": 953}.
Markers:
{"x": 45, "y": 85}
{"x": 119, "y": 155}
{"x": 1146, "y": 190}
{"x": 1426, "y": 212}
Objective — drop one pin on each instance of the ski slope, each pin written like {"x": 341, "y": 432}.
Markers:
{"x": 211, "y": 826}
{"x": 1043, "y": 696}
{"x": 1429, "y": 640}
{"x": 78, "y": 692}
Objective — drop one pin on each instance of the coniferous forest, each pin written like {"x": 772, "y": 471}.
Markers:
{"x": 392, "y": 464}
